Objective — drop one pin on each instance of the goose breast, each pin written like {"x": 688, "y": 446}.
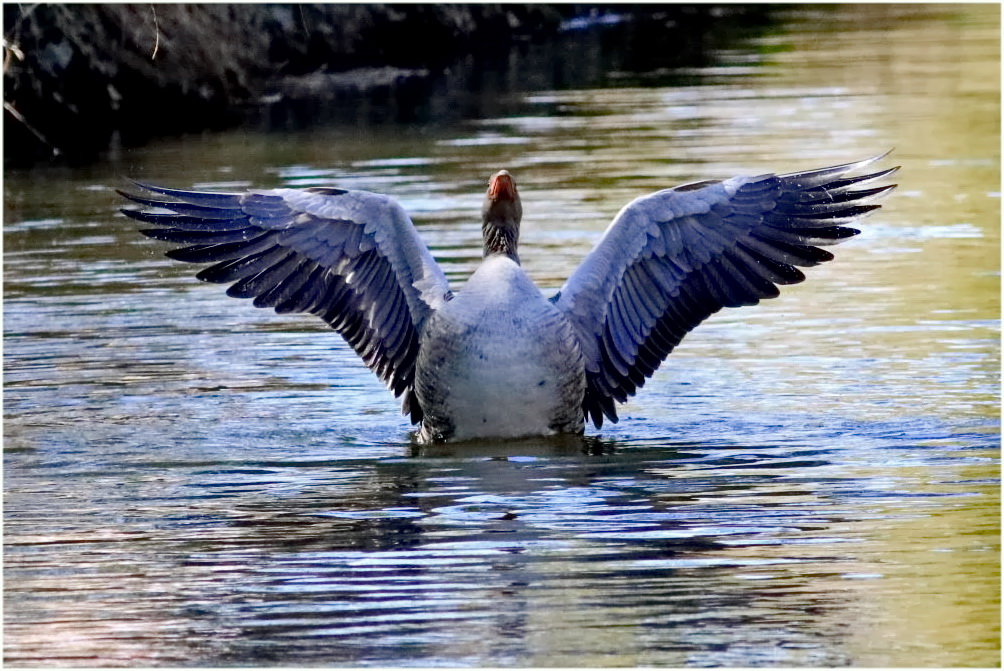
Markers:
{"x": 499, "y": 359}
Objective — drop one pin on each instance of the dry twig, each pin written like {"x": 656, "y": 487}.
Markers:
{"x": 156, "y": 30}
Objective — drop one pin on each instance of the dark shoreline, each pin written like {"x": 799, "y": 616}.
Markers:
{"x": 80, "y": 78}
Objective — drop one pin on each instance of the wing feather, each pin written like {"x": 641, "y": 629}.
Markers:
{"x": 350, "y": 257}
{"x": 671, "y": 259}
{"x": 302, "y": 298}
{"x": 273, "y": 276}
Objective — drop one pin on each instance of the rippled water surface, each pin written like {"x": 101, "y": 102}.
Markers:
{"x": 813, "y": 481}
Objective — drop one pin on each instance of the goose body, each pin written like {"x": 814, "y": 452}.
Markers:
{"x": 498, "y": 359}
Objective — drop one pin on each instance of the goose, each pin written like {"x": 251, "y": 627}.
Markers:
{"x": 498, "y": 359}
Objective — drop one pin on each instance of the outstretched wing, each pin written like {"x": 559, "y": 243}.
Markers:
{"x": 350, "y": 257}
{"x": 672, "y": 258}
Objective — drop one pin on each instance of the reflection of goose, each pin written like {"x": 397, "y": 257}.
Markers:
{"x": 498, "y": 359}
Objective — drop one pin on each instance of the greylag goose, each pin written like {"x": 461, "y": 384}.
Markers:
{"x": 499, "y": 359}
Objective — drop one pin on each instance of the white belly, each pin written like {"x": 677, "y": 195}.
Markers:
{"x": 500, "y": 384}
{"x": 499, "y": 361}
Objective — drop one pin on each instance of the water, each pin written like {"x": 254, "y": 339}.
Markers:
{"x": 813, "y": 481}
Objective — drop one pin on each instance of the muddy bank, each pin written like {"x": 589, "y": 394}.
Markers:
{"x": 78, "y": 78}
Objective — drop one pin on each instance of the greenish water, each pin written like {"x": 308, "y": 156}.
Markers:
{"x": 812, "y": 481}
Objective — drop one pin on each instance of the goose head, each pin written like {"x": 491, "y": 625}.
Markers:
{"x": 500, "y": 216}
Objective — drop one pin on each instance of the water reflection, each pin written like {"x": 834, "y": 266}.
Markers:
{"x": 810, "y": 482}
{"x": 433, "y": 556}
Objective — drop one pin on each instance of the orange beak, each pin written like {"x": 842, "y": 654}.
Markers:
{"x": 502, "y": 186}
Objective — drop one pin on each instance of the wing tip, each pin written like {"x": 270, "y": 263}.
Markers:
{"x": 189, "y": 196}
{"x": 844, "y": 169}
{"x": 857, "y": 165}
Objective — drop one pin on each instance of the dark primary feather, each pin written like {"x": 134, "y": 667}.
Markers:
{"x": 349, "y": 257}
{"x": 671, "y": 259}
